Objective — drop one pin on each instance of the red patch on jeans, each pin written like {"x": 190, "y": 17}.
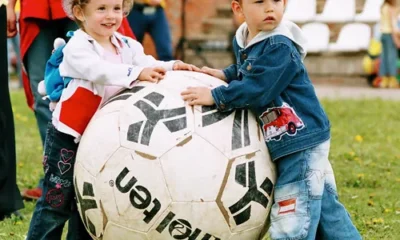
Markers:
{"x": 55, "y": 197}
{"x": 77, "y": 110}
{"x": 287, "y": 206}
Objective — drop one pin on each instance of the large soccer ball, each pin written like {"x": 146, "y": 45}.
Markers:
{"x": 151, "y": 167}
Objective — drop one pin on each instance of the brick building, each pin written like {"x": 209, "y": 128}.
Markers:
{"x": 212, "y": 19}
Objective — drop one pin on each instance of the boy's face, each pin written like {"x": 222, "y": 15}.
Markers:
{"x": 260, "y": 15}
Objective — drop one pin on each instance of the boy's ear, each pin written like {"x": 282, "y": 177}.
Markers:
{"x": 78, "y": 14}
{"x": 237, "y": 9}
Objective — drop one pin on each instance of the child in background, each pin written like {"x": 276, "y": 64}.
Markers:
{"x": 95, "y": 57}
{"x": 390, "y": 43}
{"x": 271, "y": 80}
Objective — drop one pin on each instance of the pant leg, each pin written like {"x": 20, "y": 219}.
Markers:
{"x": 139, "y": 23}
{"x": 10, "y": 198}
{"x": 335, "y": 222}
{"x": 161, "y": 35}
{"x": 57, "y": 203}
{"x": 35, "y": 63}
{"x": 388, "y": 66}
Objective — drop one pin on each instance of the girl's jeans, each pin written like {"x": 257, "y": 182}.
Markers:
{"x": 389, "y": 57}
{"x": 306, "y": 204}
{"x": 57, "y": 204}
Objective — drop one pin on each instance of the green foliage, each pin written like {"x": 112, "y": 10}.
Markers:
{"x": 365, "y": 155}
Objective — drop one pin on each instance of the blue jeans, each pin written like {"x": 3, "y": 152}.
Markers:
{"x": 388, "y": 67}
{"x": 306, "y": 204}
{"x": 154, "y": 23}
{"x": 57, "y": 204}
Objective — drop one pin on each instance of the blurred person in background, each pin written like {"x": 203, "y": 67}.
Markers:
{"x": 14, "y": 60}
{"x": 390, "y": 43}
{"x": 148, "y": 16}
{"x": 41, "y": 22}
{"x": 10, "y": 199}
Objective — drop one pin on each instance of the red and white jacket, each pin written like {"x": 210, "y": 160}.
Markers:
{"x": 84, "y": 62}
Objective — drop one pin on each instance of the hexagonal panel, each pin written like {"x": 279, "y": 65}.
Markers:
{"x": 88, "y": 201}
{"x": 116, "y": 232}
{"x": 191, "y": 220}
{"x": 246, "y": 196}
{"x": 133, "y": 190}
{"x": 194, "y": 171}
{"x": 155, "y": 120}
{"x": 239, "y": 130}
{"x": 99, "y": 141}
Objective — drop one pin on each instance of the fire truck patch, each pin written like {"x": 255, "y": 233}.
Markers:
{"x": 279, "y": 121}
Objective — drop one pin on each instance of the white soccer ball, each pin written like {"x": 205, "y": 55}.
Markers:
{"x": 151, "y": 167}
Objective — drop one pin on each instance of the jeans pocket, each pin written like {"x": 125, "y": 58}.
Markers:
{"x": 290, "y": 213}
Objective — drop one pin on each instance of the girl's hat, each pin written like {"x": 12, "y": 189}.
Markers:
{"x": 67, "y": 6}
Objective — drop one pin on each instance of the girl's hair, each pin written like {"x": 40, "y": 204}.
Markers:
{"x": 390, "y": 2}
{"x": 126, "y": 7}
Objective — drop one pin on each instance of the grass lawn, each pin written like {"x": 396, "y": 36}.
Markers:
{"x": 365, "y": 154}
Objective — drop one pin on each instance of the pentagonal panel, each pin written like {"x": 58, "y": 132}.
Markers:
{"x": 194, "y": 171}
{"x": 116, "y": 232}
{"x": 88, "y": 201}
{"x": 99, "y": 141}
{"x": 155, "y": 120}
{"x": 247, "y": 194}
{"x": 133, "y": 190}
{"x": 238, "y": 128}
{"x": 191, "y": 220}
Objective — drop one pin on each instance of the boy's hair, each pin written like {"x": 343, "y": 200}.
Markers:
{"x": 126, "y": 6}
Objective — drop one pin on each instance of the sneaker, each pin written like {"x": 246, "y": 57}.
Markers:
{"x": 32, "y": 194}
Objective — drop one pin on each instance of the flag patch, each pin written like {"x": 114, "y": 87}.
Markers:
{"x": 287, "y": 206}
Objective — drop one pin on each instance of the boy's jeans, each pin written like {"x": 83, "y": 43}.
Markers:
{"x": 57, "y": 204}
{"x": 306, "y": 204}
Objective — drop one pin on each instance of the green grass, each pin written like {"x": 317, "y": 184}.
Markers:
{"x": 365, "y": 154}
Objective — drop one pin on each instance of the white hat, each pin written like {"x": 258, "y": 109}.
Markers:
{"x": 67, "y": 6}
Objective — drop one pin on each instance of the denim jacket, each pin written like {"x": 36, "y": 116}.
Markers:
{"x": 270, "y": 79}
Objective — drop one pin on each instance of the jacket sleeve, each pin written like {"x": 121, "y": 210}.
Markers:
{"x": 82, "y": 62}
{"x": 270, "y": 74}
{"x": 143, "y": 60}
{"x": 230, "y": 72}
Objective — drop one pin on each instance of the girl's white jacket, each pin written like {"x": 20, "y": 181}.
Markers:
{"x": 84, "y": 62}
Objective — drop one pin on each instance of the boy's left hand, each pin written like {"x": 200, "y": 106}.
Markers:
{"x": 179, "y": 65}
{"x": 198, "y": 96}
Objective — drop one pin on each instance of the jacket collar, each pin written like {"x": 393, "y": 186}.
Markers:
{"x": 286, "y": 28}
{"x": 116, "y": 40}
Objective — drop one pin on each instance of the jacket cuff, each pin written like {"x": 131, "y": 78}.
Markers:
{"x": 229, "y": 75}
{"x": 219, "y": 100}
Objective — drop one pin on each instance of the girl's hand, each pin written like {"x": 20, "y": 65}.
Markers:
{"x": 198, "y": 96}
{"x": 179, "y": 65}
{"x": 152, "y": 74}
{"x": 214, "y": 72}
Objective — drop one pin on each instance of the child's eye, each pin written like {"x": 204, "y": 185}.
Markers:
{"x": 101, "y": 8}
{"x": 117, "y": 8}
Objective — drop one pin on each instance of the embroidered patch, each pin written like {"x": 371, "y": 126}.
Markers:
{"x": 129, "y": 71}
{"x": 45, "y": 165}
{"x": 287, "y": 206}
{"x": 64, "y": 167}
{"x": 279, "y": 121}
{"x": 66, "y": 155}
{"x": 55, "y": 197}
{"x": 59, "y": 181}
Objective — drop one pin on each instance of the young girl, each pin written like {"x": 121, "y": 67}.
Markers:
{"x": 94, "y": 57}
{"x": 390, "y": 44}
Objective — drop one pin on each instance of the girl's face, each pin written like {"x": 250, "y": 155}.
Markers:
{"x": 101, "y": 18}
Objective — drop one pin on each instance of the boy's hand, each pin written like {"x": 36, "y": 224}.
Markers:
{"x": 198, "y": 96}
{"x": 152, "y": 74}
{"x": 214, "y": 72}
{"x": 179, "y": 65}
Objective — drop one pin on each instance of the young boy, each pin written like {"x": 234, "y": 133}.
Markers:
{"x": 271, "y": 80}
